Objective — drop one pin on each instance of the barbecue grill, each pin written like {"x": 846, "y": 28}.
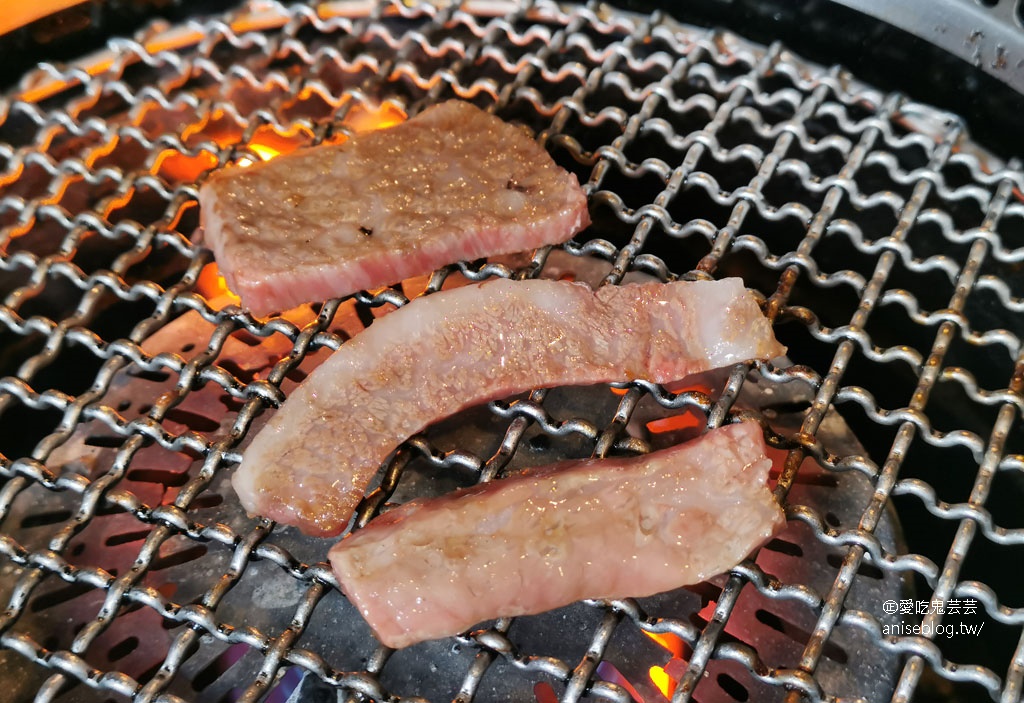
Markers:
{"x": 886, "y": 246}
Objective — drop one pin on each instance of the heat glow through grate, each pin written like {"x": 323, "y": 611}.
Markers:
{"x": 886, "y": 248}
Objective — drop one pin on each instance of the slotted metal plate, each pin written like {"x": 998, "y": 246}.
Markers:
{"x": 885, "y": 244}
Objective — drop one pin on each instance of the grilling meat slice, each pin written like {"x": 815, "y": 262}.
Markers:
{"x": 453, "y": 183}
{"x": 603, "y": 528}
{"x": 312, "y": 462}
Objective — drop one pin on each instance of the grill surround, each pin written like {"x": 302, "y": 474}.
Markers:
{"x": 33, "y": 475}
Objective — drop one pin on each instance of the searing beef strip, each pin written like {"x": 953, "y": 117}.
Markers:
{"x": 312, "y": 462}
{"x": 454, "y": 183}
{"x": 606, "y": 528}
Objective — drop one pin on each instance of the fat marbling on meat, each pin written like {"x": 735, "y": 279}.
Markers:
{"x": 311, "y": 464}
{"x": 603, "y": 528}
{"x": 453, "y": 183}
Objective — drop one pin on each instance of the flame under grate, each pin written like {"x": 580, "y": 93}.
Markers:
{"x": 887, "y": 247}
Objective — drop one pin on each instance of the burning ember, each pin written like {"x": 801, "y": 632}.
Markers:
{"x": 545, "y": 693}
{"x": 686, "y": 421}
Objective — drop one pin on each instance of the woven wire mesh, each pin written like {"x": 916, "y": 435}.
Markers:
{"x": 885, "y": 245}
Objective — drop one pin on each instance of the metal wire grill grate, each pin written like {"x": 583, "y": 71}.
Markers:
{"x": 887, "y": 248}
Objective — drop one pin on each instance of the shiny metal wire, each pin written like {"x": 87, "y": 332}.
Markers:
{"x": 651, "y": 114}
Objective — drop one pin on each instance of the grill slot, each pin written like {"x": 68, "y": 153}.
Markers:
{"x": 885, "y": 243}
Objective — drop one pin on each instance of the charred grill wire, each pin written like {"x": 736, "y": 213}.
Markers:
{"x": 887, "y": 247}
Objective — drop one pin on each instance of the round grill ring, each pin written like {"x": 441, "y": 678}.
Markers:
{"x": 884, "y": 242}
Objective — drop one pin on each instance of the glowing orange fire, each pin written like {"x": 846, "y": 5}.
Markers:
{"x": 689, "y": 419}
{"x": 265, "y": 152}
{"x": 664, "y": 683}
{"x": 668, "y": 641}
{"x": 666, "y": 678}
{"x": 212, "y": 286}
{"x": 267, "y": 142}
{"x": 177, "y": 167}
{"x": 363, "y": 118}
